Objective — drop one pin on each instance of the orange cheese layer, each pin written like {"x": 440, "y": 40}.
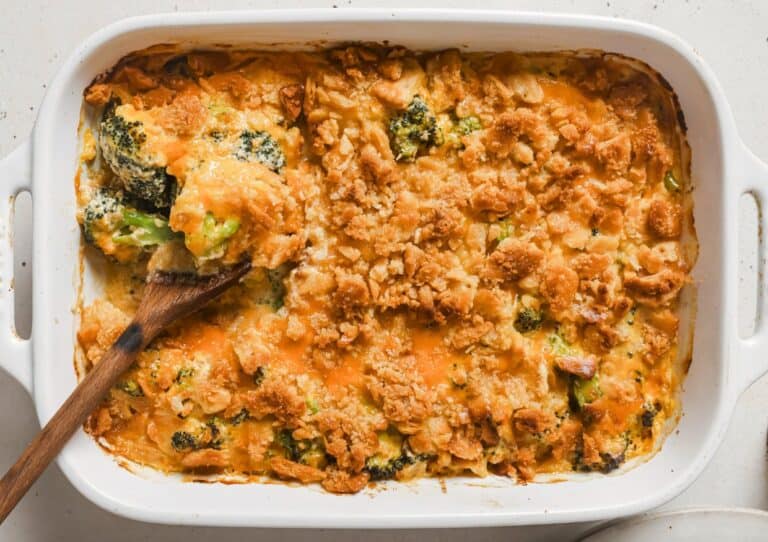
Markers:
{"x": 466, "y": 263}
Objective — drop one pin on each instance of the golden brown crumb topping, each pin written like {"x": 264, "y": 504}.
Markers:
{"x": 466, "y": 262}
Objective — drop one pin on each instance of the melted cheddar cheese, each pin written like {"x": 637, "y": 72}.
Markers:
{"x": 464, "y": 263}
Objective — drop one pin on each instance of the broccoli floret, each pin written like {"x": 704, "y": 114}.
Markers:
{"x": 414, "y": 131}
{"x": 216, "y": 135}
{"x": 379, "y": 468}
{"x": 102, "y": 215}
{"x": 210, "y": 240}
{"x": 131, "y": 387}
{"x": 261, "y": 147}
{"x": 611, "y": 462}
{"x": 468, "y": 125}
{"x": 277, "y": 285}
{"x": 181, "y": 440}
{"x": 558, "y": 345}
{"x": 294, "y": 449}
{"x": 610, "y": 458}
{"x": 183, "y": 374}
{"x": 120, "y": 230}
{"x": 123, "y": 146}
{"x": 209, "y": 435}
{"x": 240, "y": 417}
{"x": 259, "y": 375}
{"x": 306, "y": 451}
{"x": 582, "y": 391}
{"x": 393, "y": 456}
{"x": 608, "y": 462}
{"x": 313, "y": 405}
{"x": 527, "y": 320}
{"x": 267, "y": 286}
{"x": 585, "y": 391}
{"x": 647, "y": 416}
{"x": 462, "y": 127}
{"x": 216, "y": 437}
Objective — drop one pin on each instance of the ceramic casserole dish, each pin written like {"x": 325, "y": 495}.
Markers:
{"x": 723, "y": 363}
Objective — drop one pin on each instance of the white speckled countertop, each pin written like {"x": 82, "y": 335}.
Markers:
{"x": 35, "y": 35}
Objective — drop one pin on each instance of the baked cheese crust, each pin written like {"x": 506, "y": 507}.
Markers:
{"x": 465, "y": 263}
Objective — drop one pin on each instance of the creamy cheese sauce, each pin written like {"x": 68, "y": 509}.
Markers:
{"x": 464, "y": 263}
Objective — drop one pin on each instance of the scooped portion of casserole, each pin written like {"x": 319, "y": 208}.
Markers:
{"x": 464, "y": 263}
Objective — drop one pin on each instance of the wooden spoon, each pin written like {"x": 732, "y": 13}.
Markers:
{"x": 167, "y": 297}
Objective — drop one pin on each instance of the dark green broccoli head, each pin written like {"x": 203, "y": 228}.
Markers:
{"x": 120, "y": 230}
{"x": 123, "y": 146}
{"x": 608, "y": 462}
{"x": 182, "y": 440}
{"x": 381, "y": 468}
{"x": 612, "y": 456}
{"x": 648, "y": 414}
{"x": 260, "y": 147}
{"x": 208, "y": 435}
{"x": 392, "y": 456}
{"x": 294, "y": 449}
{"x": 413, "y": 131}
{"x": 528, "y": 320}
{"x": 305, "y": 451}
{"x": 216, "y": 439}
{"x": 102, "y": 215}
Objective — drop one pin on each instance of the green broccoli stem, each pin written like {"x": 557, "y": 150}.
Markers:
{"x": 219, "y": 232}
{"x": 210, "y": 238}
{"x": 216, "y": 234}
{"x": 586, "y": 391}
{"x": 142, "y": 229}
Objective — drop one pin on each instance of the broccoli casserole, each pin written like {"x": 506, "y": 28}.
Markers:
{"x": 463, "y": 263}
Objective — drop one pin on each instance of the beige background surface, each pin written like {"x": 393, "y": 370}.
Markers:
{"x": 35, "y": 36}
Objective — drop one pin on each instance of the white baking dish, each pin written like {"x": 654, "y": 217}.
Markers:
{"x": 723, "y": 364}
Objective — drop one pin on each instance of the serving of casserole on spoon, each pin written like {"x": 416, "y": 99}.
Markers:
{"x": 168, "y": 297}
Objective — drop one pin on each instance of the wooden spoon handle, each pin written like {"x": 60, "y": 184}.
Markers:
{"x": 71, "y": 415}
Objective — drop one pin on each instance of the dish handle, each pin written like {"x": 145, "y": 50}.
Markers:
{"x": 15, "y": 352}
{"x": 753, "y": 351}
